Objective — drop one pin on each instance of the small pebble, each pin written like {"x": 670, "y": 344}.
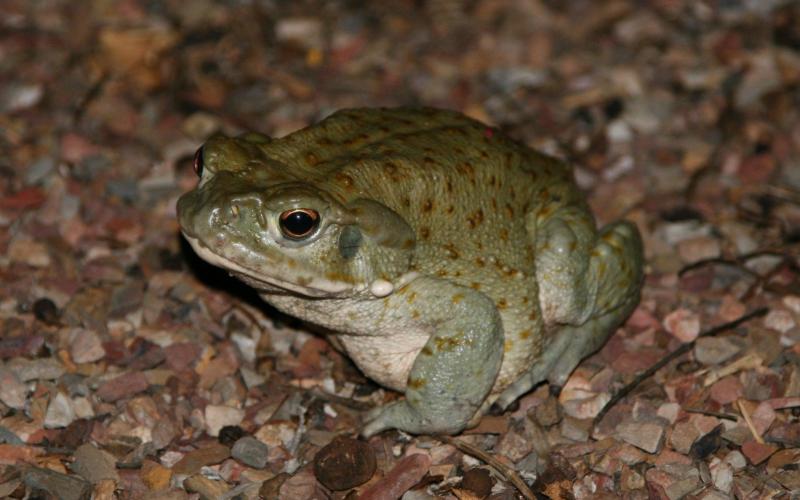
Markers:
{"x": 16, "y": 96}
{"x": 669, "y": 411}
{"x": 200, "y": 125}
{"x": 75, "y": 384}
{"x": 155, "y": 475}
{"x": 93, "y": 464}
{"x": 684, "y": 434}
{"x": 686, "y": 480}
{"x": 714, "y": 350}
{"x": 631, "y": 479}
{"x": 575, "y": 429}
{"x": 277, "y": 433}
{"x": 793, "y": 303}
{"x": 59, "y": 412}
{"x": 251, "y": 452}
{"x": 737, "y": 435}
{"x": 763, "y": 417}
{"x": 406, "y": 473}
{"x": 75, "y": 434}
{"x": 790, "y": 479}
{"x": 121, "y": 387}
{"x": 722, "y": 475}
{"x": 344, "y": 463}
{"x": 83, "y": 408}
{"x": 39, "y": 170}
{"x": 36, "y": 369}
{"x": 479, "y": 481}
{"x": 548, "y": 413}
{"x": 783, "y": 459}
{"x": 126, "y": 299}
{"x": 647, "y": 436}
{"x": 683, "y": 324}
{"x": 219, "y": 416}
{"x": 58, "y": 485}
{"x": 731, "y": 308}
{"x": 181, "y": 355}
{"x": 12, "y": 391}
{"x": 779, "y": 320}
{"x": 193, "y": 461}
{"x": 85, "y": 346}
{"x": 229, "y": 434}
{"x": 761, "y": 77}
{"x": 205, "y": 487}
{"x": 30, "y": 252}
{"x": 251, "y": 378}
{"x": 8, "y": 437}
{"x": 696, "y": 249}
{"x": 529, "y": 465}
{"x": 707, "y": 444}
{"x": 304, "y": 31}
{"x": 21, "y": 346}
{"x": 736, "y": 459}
{"x": 270, "y": 488}
{"x": 726, "y": 390}
{"x": 419, "y": 494}
{"x": 46, "y": 311}
{"x": 757, "y": 452}
{"x": 301, "y": 486}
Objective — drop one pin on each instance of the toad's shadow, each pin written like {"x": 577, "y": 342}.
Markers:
{"x": 219, "y": 279}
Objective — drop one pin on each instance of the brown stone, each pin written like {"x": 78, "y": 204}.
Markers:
{"x": 194, "y": 460}
{"x": 344, "y": 463}
{"x": 122, "y": 387}
{"x": 405, "y": 474}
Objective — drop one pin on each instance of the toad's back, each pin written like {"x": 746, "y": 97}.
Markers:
{"x": 467, "y": 190}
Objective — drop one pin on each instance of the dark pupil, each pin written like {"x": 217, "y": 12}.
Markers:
{"x": 298, "y": 223}
{"x": 198, "y": 162}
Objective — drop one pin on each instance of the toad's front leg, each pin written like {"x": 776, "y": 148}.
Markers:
{"x": 455, "y": 370}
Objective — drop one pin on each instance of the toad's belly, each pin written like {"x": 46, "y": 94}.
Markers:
{"x": 386, "y": 359}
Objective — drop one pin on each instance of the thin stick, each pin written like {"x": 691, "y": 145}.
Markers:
{"x": 726, "y": 416}
{"x": 746, "y": 362}
{"x": 749, "y": 421}
{"x": 508, "y": 473}
{"x": 674, "y": 355}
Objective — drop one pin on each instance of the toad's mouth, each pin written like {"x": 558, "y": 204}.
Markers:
{"x": 307, "y": 286}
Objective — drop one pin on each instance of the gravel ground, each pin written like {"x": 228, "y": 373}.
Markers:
{"x": 131, "y": 369}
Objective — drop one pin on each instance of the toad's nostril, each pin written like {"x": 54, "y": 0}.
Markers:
{"x": 245, "y": 208}
{"x": 261, "y": 218}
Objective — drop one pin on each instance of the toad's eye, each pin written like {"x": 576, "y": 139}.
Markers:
{"x": 298, "y": 223}
{"x": 198, "y": 162}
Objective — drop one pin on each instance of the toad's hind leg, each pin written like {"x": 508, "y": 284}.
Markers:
{"x": 588, "y": 286}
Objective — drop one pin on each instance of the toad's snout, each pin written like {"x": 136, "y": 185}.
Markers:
{"x": 215, "y": 210}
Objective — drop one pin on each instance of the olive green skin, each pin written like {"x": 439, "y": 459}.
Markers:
{"x": 452, "y": 264}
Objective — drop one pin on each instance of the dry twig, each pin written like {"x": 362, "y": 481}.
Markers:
{"x": 674, "y": 355}
{"x": 746, "y": 362}
{"x": 726, "y": 416}
{"x": 507, "y": 472}
{"x": 749, "y": 421}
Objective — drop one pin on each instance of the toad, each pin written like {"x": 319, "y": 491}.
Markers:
{"x": 451, "y": 263}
